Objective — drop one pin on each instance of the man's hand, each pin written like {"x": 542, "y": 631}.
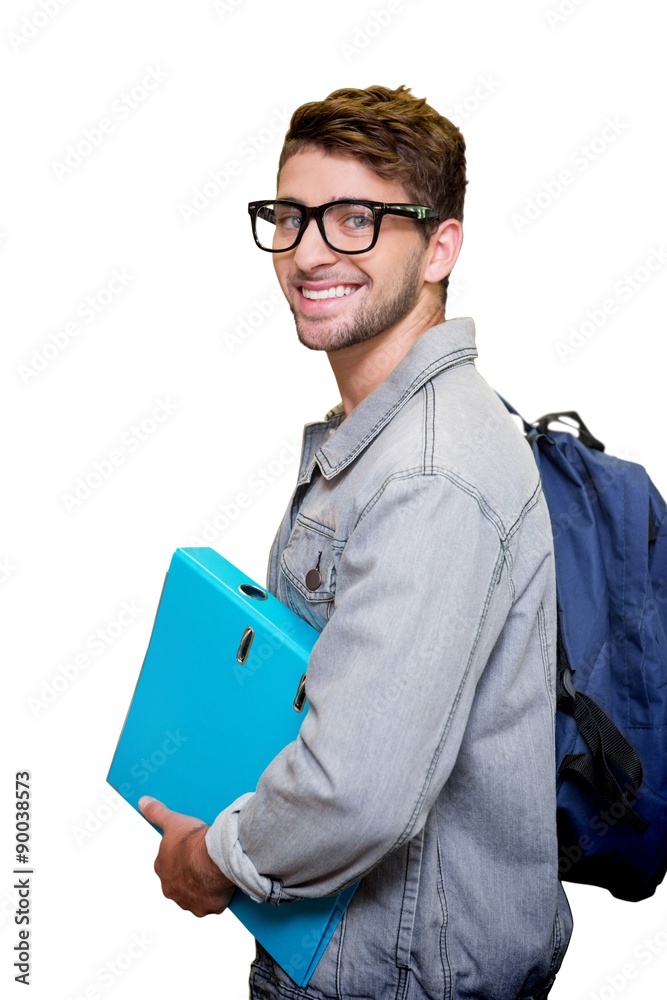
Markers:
{"x": 183, "y": 864}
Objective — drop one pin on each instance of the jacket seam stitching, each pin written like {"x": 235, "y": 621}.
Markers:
{"x": 455, "y": 704}
{"x": 465, "y": 487}
{"x": 442, "y": 896}
{"x": 468, "y": 357}
{"x": 339, "y": 956}
{"x": 546, "y": 660}
{"x": 425, "y": 427}
{"x": 323, "y": 529}
{"x": 400, "y": 915}
{"x": 529, "y": 504}
{"x": 429, "y": 427}
{"x": 404, "y": 835}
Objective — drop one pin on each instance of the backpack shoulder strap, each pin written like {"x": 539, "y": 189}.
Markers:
{"x": 607, "y": 744}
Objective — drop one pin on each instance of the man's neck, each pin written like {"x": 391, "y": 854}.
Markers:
{"x": 360, "y": 368}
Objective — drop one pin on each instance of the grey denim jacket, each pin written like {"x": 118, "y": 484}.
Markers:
{"x": 425, "y": 763}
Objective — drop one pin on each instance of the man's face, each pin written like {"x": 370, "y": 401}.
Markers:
{"x": 384, "y": 284}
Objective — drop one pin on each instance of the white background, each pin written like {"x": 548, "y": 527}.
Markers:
{"x": 531, "y": 90}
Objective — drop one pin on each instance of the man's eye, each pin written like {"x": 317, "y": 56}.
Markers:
{"x": 356, "y": 222}
{"x": 286, "y": 221}
{"x": 359, "y": 221}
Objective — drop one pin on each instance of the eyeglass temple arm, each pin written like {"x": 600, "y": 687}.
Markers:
{"x": 417, "y": 212}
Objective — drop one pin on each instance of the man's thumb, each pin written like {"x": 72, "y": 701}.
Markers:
{"x": 152, "y": 809}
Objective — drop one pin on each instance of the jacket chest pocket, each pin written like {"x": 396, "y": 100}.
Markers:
{"x": 308, "y": 567}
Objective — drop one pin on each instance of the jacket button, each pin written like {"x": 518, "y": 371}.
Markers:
{"x": 313, "y": 579}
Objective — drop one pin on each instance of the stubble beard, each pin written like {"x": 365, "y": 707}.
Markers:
{"x": 370, "y": 320}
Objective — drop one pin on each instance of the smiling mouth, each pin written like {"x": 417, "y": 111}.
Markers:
{"x": 333, "y": 292}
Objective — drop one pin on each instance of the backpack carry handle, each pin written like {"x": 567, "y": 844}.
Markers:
{"x": 542, "y": 425}
{"x": 585, "y": 436}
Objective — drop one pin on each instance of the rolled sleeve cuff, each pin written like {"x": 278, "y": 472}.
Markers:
{"x": 224, "y": 848}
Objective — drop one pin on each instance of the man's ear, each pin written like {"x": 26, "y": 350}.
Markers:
{"x": 444, "y": 248}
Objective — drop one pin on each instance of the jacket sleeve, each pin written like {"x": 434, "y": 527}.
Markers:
{"x": 422, "y": 593}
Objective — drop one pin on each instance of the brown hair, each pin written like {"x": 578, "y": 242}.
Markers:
{"x": 397, "y": 135}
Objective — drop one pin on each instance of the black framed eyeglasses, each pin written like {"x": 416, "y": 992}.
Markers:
{"x": 347, "y": 227}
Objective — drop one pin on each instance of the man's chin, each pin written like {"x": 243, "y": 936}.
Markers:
{"x": 317, "y": 335}
{"x": 310, "y": 344}
{"x": 323, "y": 335}
{"x": 330, "y": 341}
{"x": 330, "y": 347}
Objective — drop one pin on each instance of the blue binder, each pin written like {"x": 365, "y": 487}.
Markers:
{"x": 219, "y": 695}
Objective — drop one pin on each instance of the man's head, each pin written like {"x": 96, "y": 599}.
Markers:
{"x": 386, "y": 146}
{"x": 399, "y": 136}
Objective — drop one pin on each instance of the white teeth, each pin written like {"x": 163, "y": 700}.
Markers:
{"x": 334, "y": 292}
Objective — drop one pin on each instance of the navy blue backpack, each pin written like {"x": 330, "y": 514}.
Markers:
{"x": 610, "y": 537}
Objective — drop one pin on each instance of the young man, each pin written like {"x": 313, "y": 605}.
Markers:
{"x": 418, "y": 542}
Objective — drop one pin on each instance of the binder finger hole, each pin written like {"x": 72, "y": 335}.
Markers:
{"x": 245, "y": 644}
{"x": 250, "y": 590}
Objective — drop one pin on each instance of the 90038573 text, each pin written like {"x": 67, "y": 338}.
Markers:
{"x": 22, "y": 914}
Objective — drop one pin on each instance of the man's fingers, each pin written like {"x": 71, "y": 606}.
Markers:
{"x": 154, "y": 810}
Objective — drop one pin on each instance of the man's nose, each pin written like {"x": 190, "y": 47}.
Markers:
{"x": 312, "y": 251}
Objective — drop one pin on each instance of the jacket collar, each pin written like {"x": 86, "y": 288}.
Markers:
{"x": 443, "y": 346}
